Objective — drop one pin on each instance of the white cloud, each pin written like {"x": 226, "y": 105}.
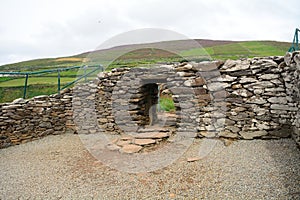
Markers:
{"x": 49, "y": 28}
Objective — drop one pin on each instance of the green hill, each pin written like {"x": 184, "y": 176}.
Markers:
{"x": 132, "y": 55}
{"x": 246, "y": 49}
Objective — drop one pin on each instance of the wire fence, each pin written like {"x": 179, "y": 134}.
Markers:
{"x": 24, "y": 85}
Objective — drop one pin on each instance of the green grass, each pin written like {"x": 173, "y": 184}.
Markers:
{"x": 264, "y": 48}
{"x": 34, "y": 81}
{"x": 196, "y": 52}
{"x": 3, "y": 79}
{"x": 8, "y": 94}
{"x": 166, "y": 104}
{"x": 240, "y": 50}
{"x": 12, "y": 87}
{"x": 49, "y": 78}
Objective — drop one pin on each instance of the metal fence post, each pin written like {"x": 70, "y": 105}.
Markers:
{"x": 25, "y": 86}
{"x": 84, "y": 68}
{"x": 58, "y": 81}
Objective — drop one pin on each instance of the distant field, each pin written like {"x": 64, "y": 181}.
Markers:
{"x": 240, "y": 50}
{"x": 8, "y": 94}
{"x": 136, "y": 55}
{"x": 13, "y": 87}
{"x": 49, "y": 79}
{"x": 34, "y": 81}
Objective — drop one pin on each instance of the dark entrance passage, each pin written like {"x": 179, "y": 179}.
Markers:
{"x": 150, "y": 93}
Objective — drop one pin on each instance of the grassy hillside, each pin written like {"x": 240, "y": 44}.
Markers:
{"x": 39, "y": 64}
{"x": 241, "y": 50}
{"x": 132, "y": 55}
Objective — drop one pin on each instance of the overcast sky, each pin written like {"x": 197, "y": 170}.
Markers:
{"x": 53, "y": 28}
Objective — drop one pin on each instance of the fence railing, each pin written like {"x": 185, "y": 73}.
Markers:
{"x": 87, "y": 71}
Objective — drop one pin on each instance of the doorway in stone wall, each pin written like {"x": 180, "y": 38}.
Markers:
{"x": 149, "y": 105}
{"x": 156, "y": 105}
{"x": 166, "y": 106}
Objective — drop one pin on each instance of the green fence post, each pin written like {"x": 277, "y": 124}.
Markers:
{"x": 58, "y": 81}
{"x": 85, "y": 73}
{"x": 25, "y": 86}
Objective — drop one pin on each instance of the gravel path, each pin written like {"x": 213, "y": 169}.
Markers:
{"x": 59, "y": 167}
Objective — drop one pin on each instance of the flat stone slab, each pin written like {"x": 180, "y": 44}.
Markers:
{"x": 131, "y": 148}
{"x": 248, "y": 135}
{"x": 152, "y": 135}
{"x": 144, "y": 141}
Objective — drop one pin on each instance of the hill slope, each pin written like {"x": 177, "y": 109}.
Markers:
{"x": 158, "y": 52}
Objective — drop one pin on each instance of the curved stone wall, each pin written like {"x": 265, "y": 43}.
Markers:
{"x": 292, "y": 81}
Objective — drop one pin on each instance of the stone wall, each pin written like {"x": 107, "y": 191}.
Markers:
{"x": 243, "y": 99}
{"x": 292, "y": 81}
{"x": 238, "y": 99}
{"x": 25, "y": 120}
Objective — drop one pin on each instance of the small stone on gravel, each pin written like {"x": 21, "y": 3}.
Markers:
{"x": 130, "y": 148}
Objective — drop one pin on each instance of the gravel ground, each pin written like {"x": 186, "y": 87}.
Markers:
{"x": 59, "y": 167}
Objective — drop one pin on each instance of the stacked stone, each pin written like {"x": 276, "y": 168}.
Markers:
{"x": 66, "y": 98}
{"x": 189, "y": 95}
{"x": 25, "y": 120}
{"x": 292, "y": 82}
{"x": 136, "y": 94}
{"x": 210, "y": 94}
{"x": 236, "y": 99}
{"x": 84, "y": 107}
{"x": 259, "y": 106}
{"x": 123, "y": 95}
{"x": 107, "y": 85}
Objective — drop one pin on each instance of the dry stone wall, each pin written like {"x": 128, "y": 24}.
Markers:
{"x": 292, "y": 82}
{"x": 237, "y": 99}
{"x": 25, "y": 120}
{"x": 243, "y": 99}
